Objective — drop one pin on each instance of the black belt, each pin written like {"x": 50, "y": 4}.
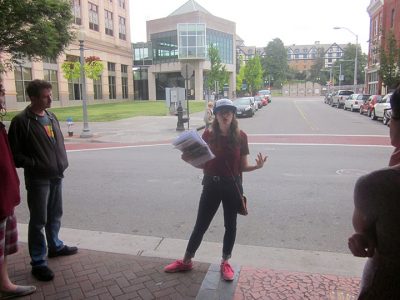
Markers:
{"x": 220, "y": 178}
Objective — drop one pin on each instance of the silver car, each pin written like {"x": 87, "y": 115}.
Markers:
{"x": 379, "y": 108}
{"x": 354, "y": 102}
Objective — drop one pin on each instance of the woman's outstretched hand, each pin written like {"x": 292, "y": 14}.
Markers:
{"x": 260, "y": 160}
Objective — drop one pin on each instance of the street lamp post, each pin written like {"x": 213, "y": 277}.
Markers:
{"x": 86, "y": 131}
{"x": 356, "y": 57}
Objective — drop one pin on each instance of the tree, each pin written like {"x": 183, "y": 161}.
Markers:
{"x": 390, "y": 62}
{"x": 34, "y": 29}
{"x": 275, "y": 61}
{"x": 240, "y": 77}
{"x": 347, "y": 62}
{"x": 253, "y": 74}
{"x": 218, "y": 71}
{"x": 317, "y": 70}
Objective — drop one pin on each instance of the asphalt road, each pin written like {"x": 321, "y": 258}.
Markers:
{"x": 302, "y": 199}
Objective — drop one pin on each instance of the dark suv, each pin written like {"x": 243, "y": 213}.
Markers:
{"x": 339, "y": 97}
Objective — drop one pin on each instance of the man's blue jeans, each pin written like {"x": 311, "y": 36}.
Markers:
{"x": 45, "y": 207}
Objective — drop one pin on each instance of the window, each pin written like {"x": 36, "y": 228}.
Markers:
{"x": 93, "y": 16}
{"x": 124, "y": 87}
{"x": 51, "y": 76}
{"x": 74, "y": 89}
{"x": 121, "y": 3}
{"x": 76, "y": 11}
{"x": 98, "y": 89}
{"x": 111, "y": 66}
{"x": 108, "y": 15}
{"x": 112, "y": 91}
{"x": 124, "y": 81}
{"x": 124, "y": 70}
{"x": 23, "y": 76}
{"x": 122, "y": 28}
{"x": 192, "y": 41}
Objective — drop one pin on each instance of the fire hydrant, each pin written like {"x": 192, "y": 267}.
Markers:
{"x": 181, "y": 119}
{"x": 70, "y": 123}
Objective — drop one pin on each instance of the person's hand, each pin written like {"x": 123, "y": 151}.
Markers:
{"x": 260, "y": 160}
{"x": 186, "y": 156}
{"x": 361, "y": 245}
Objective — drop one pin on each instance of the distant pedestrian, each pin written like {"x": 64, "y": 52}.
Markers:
{"x": 221, "y": 181}
{"x": 38, "y": 146}
{"x": 376, "y": 222}
{"x": 9, "y": 199}
{"x": 209, "y": 115}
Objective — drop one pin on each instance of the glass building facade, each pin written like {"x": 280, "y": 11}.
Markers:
{"x": 165, "y": 46}
{"x": 192, "y": 41}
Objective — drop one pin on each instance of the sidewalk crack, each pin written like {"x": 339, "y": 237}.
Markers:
{"x": 159, "y": 243}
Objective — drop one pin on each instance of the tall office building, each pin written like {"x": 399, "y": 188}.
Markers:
{"x": 103, "y": 25}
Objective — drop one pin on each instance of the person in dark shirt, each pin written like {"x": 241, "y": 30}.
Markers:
{"x": 38, "y": 146}
{"x": 221, "y": 183}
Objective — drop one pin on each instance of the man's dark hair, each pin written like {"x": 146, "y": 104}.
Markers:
{"x": 35, "y": 87}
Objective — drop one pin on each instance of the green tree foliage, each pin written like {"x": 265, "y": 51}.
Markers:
{"x": 275, "y": 62}
{"x": 253, "y": 74}
{"x": 347, "y": 62}
{"x": 218, "y": 70}
{"x": 317, "y": 70}
{"x": 93, "y": 68}
{"x": 34, "y": 29}
{"x": 240, "y": 77}
{"x": 390, "y": 62}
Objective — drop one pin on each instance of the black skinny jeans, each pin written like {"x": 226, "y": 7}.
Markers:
{"x": 215, "y": 191}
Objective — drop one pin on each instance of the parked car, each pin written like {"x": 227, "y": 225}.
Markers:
{"x": 380, "y": 106}
{"x": 354, "y": 101}
{"x": 387, "y": 115}
{"x": 266, "y": 94}
{"x": 368, "y": 106}
{"x": 339, "y": 97}
{"x": 259, "y": 101}
{"x": 245, "y": 106}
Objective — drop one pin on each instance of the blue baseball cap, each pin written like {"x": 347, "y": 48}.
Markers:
{"x": 224, "y": 104}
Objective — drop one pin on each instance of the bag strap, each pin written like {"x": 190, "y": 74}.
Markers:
{"x": 233, "y": 178}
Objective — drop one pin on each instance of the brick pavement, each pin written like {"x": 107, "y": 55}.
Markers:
{"x": 100, "y": 275}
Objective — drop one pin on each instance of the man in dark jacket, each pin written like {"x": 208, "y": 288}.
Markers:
{"x": 38, "y": 146}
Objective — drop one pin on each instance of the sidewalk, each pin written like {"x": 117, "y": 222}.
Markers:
{"x": 115, "y": 266}
{"x": 102, "y": 275}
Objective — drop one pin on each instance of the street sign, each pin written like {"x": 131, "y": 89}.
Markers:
{"x": 187, "y": 71}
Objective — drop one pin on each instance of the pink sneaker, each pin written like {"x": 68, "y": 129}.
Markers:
{"x": 178, "y": 266}
{"x": 227, "y": 272}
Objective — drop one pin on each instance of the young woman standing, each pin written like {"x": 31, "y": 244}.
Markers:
{"x": 222, "y": 175}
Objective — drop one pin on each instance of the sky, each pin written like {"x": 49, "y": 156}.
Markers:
{"x": 260, "y": 21}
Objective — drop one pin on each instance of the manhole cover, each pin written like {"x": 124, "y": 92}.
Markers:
{"x": 355, "y": 172}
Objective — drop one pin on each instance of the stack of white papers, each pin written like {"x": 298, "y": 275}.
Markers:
{"x": 193, "y": 147}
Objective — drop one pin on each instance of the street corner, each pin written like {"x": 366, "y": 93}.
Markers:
{"x": 256, "y": 283}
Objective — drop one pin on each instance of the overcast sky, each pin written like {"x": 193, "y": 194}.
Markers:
{"x": 260, "y": 21}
